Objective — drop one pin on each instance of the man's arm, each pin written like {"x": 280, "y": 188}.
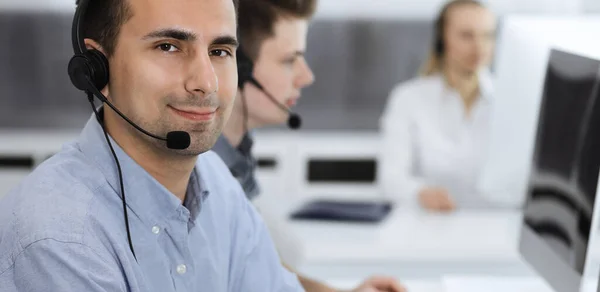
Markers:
{"x": 309, "y": 284}
{"x": 53, "y": 266}
{"x": 377, "y": 284}
{"x": 255, "y": 264}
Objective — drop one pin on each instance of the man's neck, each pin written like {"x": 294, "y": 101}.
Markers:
{"x": 466, "y": 83}
{"x": 234, "y": 130}
{"x": 172, "y": 171}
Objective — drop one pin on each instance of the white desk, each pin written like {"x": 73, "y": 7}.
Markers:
{"x": 411, "y": 285}
{"x": 409, "y": 244}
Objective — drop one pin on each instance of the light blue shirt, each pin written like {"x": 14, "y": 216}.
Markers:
{"x": 62, "y": 229}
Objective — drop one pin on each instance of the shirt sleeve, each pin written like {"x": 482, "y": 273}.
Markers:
{"x": 52, "y": 266}
{"x": 397, "y": 152}
{"x": 257, "y": 266}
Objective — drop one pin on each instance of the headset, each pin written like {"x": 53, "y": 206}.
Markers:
{"x": 88, "y": 70}
{"x": 438, "y": 42}
{"x": 245, "y": 68}
{"x": 439, "y": 46}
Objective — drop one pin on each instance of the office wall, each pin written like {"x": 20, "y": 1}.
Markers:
{"x": 591, "y": 6}
{"x": 361, "y": 8}
{"x": 354, "y": 73}
{"x": 356, "y": 59}
{"x": 426, "y": 9}
{"x": 38, "y": 5}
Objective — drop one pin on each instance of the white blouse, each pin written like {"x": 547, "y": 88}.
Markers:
{"x": 428, "y": 140}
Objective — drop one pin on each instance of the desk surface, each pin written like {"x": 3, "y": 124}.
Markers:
{"x": 407, "y": 234}
{"x": 411, "y": 285}
{"x": 463, "y": 242}
{"x": 457, "y": 283}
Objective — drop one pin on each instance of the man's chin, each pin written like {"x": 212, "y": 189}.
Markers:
{"x": 280, "y": 120}
{"x": 200, "y": 142}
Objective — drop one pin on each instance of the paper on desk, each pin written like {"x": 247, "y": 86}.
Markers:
{"x": 494, "y": 284}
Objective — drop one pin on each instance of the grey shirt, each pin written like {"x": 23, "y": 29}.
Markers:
{"x": 240, "y": 162}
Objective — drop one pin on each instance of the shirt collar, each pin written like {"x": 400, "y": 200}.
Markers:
{"x": 231, "y": 155}
{"x": 245, "y": 146}
{"x": 145, "y": 196}
{"x": 485, "y": 84}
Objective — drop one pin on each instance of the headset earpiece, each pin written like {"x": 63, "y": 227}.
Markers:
{"x": 91, "y": 65}
{"x": 245, "y": 67}
{"x": 86, "y": 65}
{"x": 439, "y": 46}
{"x": 439, "y": 36}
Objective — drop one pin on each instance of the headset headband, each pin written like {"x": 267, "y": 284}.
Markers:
{"x": 76, "y": 38}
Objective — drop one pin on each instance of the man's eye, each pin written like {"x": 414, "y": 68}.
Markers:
{"x": 167, "y": 47}
{"x": 220, "y": 53}
{"x": 290, "y": 61}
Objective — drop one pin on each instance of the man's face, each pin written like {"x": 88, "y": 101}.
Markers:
{"x": 174, "y": 69}
{"x": 282, "y": 71}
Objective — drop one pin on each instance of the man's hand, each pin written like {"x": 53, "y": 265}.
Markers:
{"x": 436, "y": 199}
{"x": 380, "y": 284}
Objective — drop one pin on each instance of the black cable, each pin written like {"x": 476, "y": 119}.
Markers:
{"x": 245, "y": 111}
{"x": 100, "y": 120}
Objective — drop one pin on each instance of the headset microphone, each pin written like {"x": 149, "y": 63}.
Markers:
{"x": 175, "y": 139}
{"x": 245, "y": 67}
{"x": 294, "y": 120}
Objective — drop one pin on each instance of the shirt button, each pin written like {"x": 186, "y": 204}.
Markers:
{"x": 155, "y": 229}
{"x": 181, "y": 269}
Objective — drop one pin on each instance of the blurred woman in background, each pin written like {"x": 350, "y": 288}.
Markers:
{"x": 434, "y": 126}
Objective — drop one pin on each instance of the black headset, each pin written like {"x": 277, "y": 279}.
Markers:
{"x": 438, "y": 41}
{"x": 245, "y": 69}
{"x": 439, "y": 46}
{"x": 87, "y": 65}
{"x": 88, "y": 71}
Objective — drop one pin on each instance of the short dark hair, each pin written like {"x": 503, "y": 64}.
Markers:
{"x": 102, "y": 22}
{"x": 257, "y": 18}
{"x": 103, "y": 19}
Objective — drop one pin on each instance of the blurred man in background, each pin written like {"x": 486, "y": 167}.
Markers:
{"x": 272, "y": 72}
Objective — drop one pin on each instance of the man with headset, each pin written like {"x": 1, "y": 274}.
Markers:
{"x": 138, "y": 202}
{"x": 271, "y": 73}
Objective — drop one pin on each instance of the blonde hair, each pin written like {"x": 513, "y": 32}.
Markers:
{"x": 432, "y": 65}
{"x": 435, "y": 62}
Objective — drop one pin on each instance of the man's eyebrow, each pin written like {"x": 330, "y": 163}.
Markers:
{"x": 171, "y": 33}
{"x": 226, "y": 40}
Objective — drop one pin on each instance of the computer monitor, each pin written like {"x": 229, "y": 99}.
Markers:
{"x": 523, "y": 50}
{"x": 558, "y": 214}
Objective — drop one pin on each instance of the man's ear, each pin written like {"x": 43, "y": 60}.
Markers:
{"x": 91, "y": 44}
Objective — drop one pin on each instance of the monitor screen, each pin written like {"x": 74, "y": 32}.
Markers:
{"x": 562, "y": 182}
{"x": 523, "y": 50}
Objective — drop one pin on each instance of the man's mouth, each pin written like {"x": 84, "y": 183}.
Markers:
{"x": 291, "y": 101}
{"x": 195, "y": 114}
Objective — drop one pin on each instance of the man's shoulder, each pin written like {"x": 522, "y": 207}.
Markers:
{"x": 52, "y": 202}
{"x": 224, "y": 150}
{"x": 212, "y": 160}
{"x": 416, "y": 88}
{"x": 219, "y": 179}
